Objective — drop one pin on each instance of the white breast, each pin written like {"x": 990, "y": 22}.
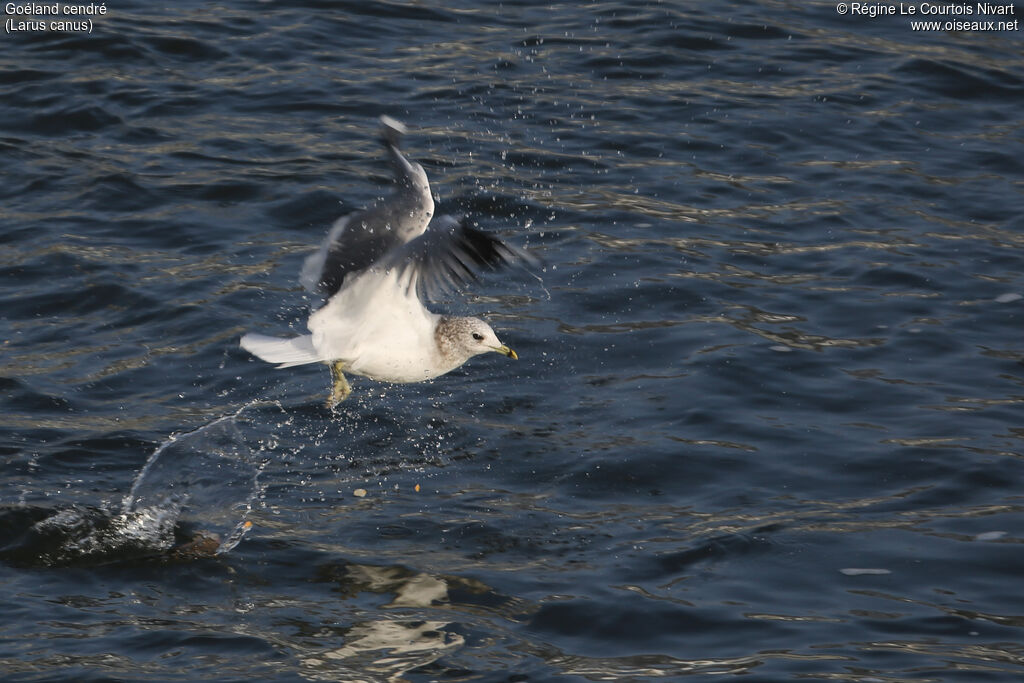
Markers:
{"x": 379, "y": 328}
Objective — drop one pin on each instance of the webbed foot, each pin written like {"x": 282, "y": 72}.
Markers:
{"x": 339, "y": 385}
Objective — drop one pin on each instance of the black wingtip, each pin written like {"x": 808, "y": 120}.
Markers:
{"x": 451, "y": 253}
{"x": 489, "y": 251}
{"x": 485, "y": 250}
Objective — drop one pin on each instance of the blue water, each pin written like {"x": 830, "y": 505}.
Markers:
{"x": 767, "y": 417}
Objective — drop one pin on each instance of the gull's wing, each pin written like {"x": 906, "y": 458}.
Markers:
{"x": 448, "y": 255}
{"x": 355, "y": 242}
{"x": 361, "y": 239}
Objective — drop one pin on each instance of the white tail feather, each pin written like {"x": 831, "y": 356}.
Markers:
{"x": 285, "y": 352}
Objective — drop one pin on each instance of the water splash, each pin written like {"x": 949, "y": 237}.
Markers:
{"x": 208, "y": 477}
{"x": 190, "y": 500}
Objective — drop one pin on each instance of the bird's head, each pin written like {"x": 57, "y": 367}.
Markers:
{"x": 462, "y": 338}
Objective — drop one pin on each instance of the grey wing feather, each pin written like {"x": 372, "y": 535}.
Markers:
{"x": 449, "y": 254}
{"x": 313, "y": 266}
{"x": 364, "y": 238}
{"x": 391, "y": 131}
{"x": 349, "y": 248}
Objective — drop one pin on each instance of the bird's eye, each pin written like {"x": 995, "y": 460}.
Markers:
{"x": 478, "y": 336}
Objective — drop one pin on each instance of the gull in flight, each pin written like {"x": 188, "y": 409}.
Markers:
{"x": 375, "y": 267}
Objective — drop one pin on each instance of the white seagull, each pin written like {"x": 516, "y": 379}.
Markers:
{"x": 374, "y": 267}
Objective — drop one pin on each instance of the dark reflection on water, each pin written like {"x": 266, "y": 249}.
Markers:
{"x": 766, "y": 418}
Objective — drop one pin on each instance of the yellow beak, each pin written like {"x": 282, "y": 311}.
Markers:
{"x": 505, "y": 351}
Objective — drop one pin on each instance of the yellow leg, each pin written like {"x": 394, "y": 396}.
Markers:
{"x": 339, "y": 385}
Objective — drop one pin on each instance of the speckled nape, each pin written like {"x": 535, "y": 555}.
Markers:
{"x": 449, "y": 330}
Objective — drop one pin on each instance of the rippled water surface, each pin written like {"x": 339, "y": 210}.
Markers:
{"x": 767, "y": 417}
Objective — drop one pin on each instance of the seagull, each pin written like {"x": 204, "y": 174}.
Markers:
{"x": 375, "y": 267}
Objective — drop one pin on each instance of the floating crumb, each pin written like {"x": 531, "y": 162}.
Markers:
{"x": 359, "y": 493}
